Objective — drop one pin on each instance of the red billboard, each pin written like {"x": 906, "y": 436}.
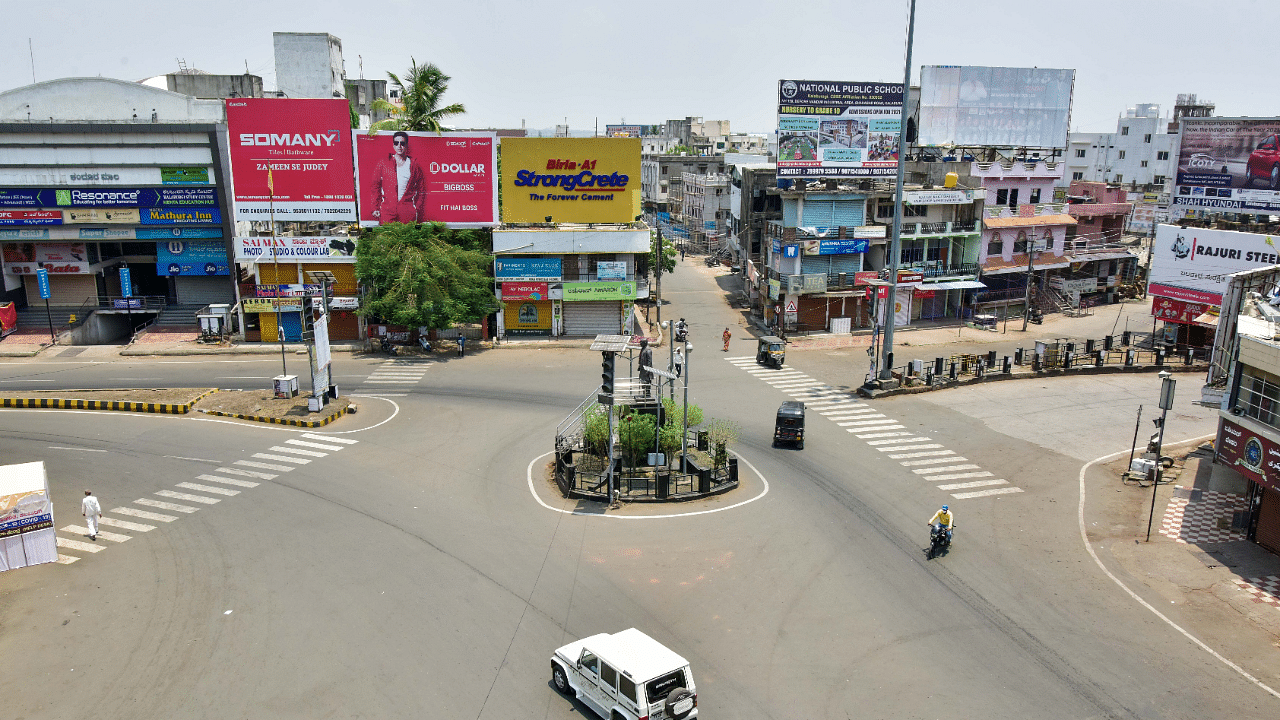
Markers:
{"x": 413, "y": 177}
{"x": 1251, "y": 454}
{"x": 291, "y": 158}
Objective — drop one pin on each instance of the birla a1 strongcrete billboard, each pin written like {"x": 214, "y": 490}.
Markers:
{"x": 291, "y": 159}
{"x": 574, "y": 180}
{"x": 1195, "y": 264}
{"x": 413, "y": 177}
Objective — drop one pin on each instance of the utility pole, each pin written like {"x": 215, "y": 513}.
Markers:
{"x": 1166, "y": 401}
{"x": 895, "y": 245}
{"x": 1026, "y": 298}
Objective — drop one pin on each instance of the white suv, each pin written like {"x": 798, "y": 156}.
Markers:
{"x": 626, "y": 676}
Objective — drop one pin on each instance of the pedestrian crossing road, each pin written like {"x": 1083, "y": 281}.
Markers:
{"x": 930, "y": 461}
{"x": 399, "y": 374}
{"x": 204, "y": 491}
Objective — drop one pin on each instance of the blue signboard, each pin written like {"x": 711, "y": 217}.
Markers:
{"x": 842, "y": 246}
{"x": 191, "y": 257}
{"x": 42, "y": 277}
{"x": 527, "y": 268}
{"x": 108, "y": 197}
{"x": 177, "y": 232}
{"x": 180, "y": 216}
{"x": 790, "y": 251}
{"x": 126, "y": 287}
{"x": 128, "y": 304}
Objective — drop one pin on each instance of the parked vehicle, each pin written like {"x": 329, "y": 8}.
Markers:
{"x": 626, "y": 675}
{"x": 771, "y": 350}
{"x": 1264, "y": 163}
{"x": 939, "y": 539}
{"x": 788, "y": 427}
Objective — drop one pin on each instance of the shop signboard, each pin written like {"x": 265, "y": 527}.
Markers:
{"x": 527, "y": 268}
{"x": 191, "y": 257}
{"x": 261, "y": 305}
{"x": 1250, "y": 453}
{"x": 1229, "y": 165}
{"x": 1176, "y": 311}
{"x": 451, "y": 178}
{"x": 1195, "y": 264}
{"x": 587, "y": 291}
{"x": 524, "y": 291}
{"x": 527, "y": 317}
{"x": 865, "y": 277}
{"x": 74, "y": 233}
{"x": 611, "y": 270}
{"x": 344, "y": 303}
{"x": 114, "y": 197}
{"x": 293, "y": 249}
{"x": 834, "y": 246}
{"x": 26, "y": 258}
{"x": 180, "y": 216}
{"x": 103, "y": 216}
{"x": 291, "y": 156}
{"x": 994, "y": 106}
{"x": 577, "y": 180}
{"x": 909, "y": 277}
{"x": 287, "y": 290}
{"x": 30, "y": 217}
{"x": 937, "y": 197}
{"x": 870, "y": 231}
{"x": 184, "y": 175}
{"x": 838, "y": 129}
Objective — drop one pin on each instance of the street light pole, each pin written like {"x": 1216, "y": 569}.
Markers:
{"x": 895, "y": 244}
{"x": 1166, "y": 401}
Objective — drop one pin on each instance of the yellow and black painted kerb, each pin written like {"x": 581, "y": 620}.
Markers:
{"x": 283, "y": 421}
{"x": 117, "y": 405}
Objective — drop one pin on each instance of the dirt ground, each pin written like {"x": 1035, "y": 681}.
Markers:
{"x": 175, "y": 397}
{"x": 235, "y": 402}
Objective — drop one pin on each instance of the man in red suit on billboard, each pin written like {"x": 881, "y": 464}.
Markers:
{"x": 399, "y": 186}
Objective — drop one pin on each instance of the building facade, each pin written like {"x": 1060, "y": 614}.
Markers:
{"x": 1140, "y": 154}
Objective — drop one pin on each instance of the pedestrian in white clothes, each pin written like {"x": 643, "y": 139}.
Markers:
{"x": 91, "y": 510}
{"x": 679, "y": 361}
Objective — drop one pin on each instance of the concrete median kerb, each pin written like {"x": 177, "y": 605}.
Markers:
{"x": 286, "y": 421}
{"x": 52, "y": 403}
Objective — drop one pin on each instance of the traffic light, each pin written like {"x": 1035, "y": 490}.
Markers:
{"x": 308, "y": 317}
{"x": 606, "y": 373}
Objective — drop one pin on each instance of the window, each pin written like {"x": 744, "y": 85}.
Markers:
{"x": 1013, "y": 197}
{"x": 1077, "y": 176}
{"x": 1080, "y": 153}
{"x": 1121, "y": 154}
{"x": 885, "y": 210}
{"x": 1124, "y": 130}
{"x": 589, "y": 661}
{"x": 1119, "y": 177}
{"x": 1158, "y": 180}
{"x": 1259, "y": 396}
{"x": 627, "y": 688}
{"x": 1020, "y": 245}
{"x": 1162, "y": 155}
{"x": 1146, "y": 138}
{"x": 1144, "y": 163}
{"x": 1002, "y": 196}
{"x": 995, "y": 246}
{"x": 608, "y": 676}
{"x": 1035, "y": 196}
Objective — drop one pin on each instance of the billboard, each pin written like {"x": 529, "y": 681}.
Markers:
{"x": 294, "y": 154}
{"x": 1229, "y": 165}
{"x": 116, "y": 197}
{"x": 1195, "y": 264}
{"x": 527, "y": 268}
{"x": 623, "y": 131}
{"x": 413, "y": 177}
{"x": 295, "y": 249}
{"x": 994, "y": 106}
{"x": 576, "y": 180}
{"x": 24, "y": 258}
{"x": 191, "y": 257}
{"x": 838, "y": 129}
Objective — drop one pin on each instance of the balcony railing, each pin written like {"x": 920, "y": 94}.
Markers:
{"x": 940, "y": 269}
{"x": 939, "y": 228}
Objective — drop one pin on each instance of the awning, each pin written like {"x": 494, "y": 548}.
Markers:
{"x": 1208, "y": 319}
{"x": 1033, "y": 221}
{"x": 1090, "y": 257}
{"x": 954, "y": 285}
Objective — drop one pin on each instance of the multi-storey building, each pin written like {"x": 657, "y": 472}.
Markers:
{"x": 753, "y": 202}
{"x": 705, "y": 211}
{"x": 1139, "y": 154}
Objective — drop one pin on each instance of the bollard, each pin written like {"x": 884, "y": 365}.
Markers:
{"x": 1017, "y": 356}
{"x": 1129, "y": 356}
{"x": 1066, "y": 360}
{"x": 1102, "y": 358}
{"x": 1124, "y": 338}
{"x": 1008, "y": 366}
{"x": 1160, "y": 357}
{"x": 953, "y": 370}
{"x": 937, "y": 366}
{"x": 1035, "y": 363}
{"x": 1089, "y": 347}
{"x": 991, "y": 358}
{"x": 1190, "y": 355}
{"x": 1107, "y": 343}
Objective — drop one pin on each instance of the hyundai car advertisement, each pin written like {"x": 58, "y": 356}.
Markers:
{"x": 1229, "y": 165}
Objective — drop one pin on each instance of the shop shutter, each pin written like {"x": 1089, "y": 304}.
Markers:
{"x": 204, "y": 290}
{"x": 593, "y": 318}
{"x": 812, "y": 311}
{"x": 273, "y": 273}
{"x": 815, "y": 264}
{"x": 848, "y": 213}
{"x": 292, "y": 322}
{"x": 818, "y": 213}
{"x": 848, "y": 264}
{"x": 1268, "y": 535}
{"x": 267, "y": 327}
{"x": 344, "y": 276}
{"x": 67, "y": 289}
{"x": 343, "y": 325}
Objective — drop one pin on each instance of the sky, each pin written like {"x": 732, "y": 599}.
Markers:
{"x": 589, "y": 62}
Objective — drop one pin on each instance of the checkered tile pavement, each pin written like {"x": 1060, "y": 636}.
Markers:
{"x": 1262, "y": 590}
{"x": 1205, "y": 517}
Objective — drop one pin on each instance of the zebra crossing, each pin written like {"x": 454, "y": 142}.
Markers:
{"x": 394, "y": 374}
{"x": 204, "y": 491}
{"x": 928, "y": 460}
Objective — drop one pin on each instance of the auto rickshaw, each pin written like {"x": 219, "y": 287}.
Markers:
{"x": 771, "y": 351}
{"x": 789, "y": 425}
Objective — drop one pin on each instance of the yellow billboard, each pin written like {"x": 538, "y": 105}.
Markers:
{"x": 576, "y": 180}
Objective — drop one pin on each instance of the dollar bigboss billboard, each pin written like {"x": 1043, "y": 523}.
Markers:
{"x": 838, "y": 129}
{"x": 575, "y": 180}
{"x": 413, "y": 177}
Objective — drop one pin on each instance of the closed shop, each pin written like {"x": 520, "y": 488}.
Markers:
{"x": 69, "y": 289}
{"x": 203, "y": 290}
{"x": 1268, "y": 532}
{"x": 344, "y": 325}
{"x": 593, "y": 318}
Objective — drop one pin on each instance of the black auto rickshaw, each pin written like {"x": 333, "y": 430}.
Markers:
{"x": 789, "y": 426}
{"x": 771, "y": 351}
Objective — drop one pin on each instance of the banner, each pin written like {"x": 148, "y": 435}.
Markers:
{"x": 1169, "y": 310}
{"x": 107, "y": 197}
{"x": 994, "y": 106}
{"x": 833, "y": 246}
{"x": 426, "y": 177}
{"x": 294, "y": 154}
{"x": 524, "y": 291}
{"x": 102, "y": 216}
{"x": 586, "y": 291}
{"x": 623, "y": 131}
{"x": 527, "y": 268}
{"x": 1229, "y": 164}
{"x": 1194, "y": 264}
{"x": 269, "y": 305}
{"x": 58, "y": 258}
{"x": 526, "y": 317}
{"x": 30, "y": 217}
{"x": 838, "y": 129}
{"x": 611, "y": 270}
{"x": 575, "y": 180}
{"x": 335, "y": 248}
{"x": 191, "y": 257}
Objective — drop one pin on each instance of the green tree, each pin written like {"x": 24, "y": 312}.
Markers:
{"x": 721, "y": 433}
{"x": 636, "y": 433}
{"x": 425, "y": 275}
{"x": 422, "y": 91}
{"x": 595, "y": 432}
{"x": 677, "y": 149}
{"x": 662, "y": 254}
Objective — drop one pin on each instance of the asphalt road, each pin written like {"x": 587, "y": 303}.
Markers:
{"x": 425, "y": 570}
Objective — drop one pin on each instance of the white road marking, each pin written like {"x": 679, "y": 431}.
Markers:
{"x": 796, "y": 384}
{"x": 188, "y": 497}
{"x": 374, "y": 395}
{"x": 867, "y": 421}
{"x": 264, "y": 466}
{"x": 66, "y": 559}
{"x": 926, "y": 454}
{"x": 959, "y": 476}
{"x": 227, "y": 481}
{"x": 826, "y": 407}
{"x": 943, "y": 468}
{"x": 248, "y": 473}
{"x": 243, "y": 377}
{"x": 851, "y": 412}
{"x": 866, "y": 436}
{"x": 113, "y": 537}
{"x": 282, "y": 458}
{"x": 874, "y": 443}
{"x": 303, "y": 443}
{"x": 166, "y": 505}
{"x": 984, "y": 493}
{"x": 296, "y": 451}
{"x": 131, "y": 512}
{"x": 907, "y": 447}
{"x": 59, "y": 447}
{"x": 976, "y": 483}
{"x": 934, "y": 461}
{"x": 125, "y": 524}
{"x": 207, "y": 488}
{"x": 81, "y": 546}
{"x": 330, "y": 438}
{"x": 891, "y": 426}
{"x": 179, "y": 457}
{"x": 392, "y": 382}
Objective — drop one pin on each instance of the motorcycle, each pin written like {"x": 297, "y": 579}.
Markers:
{"x": 388, "y": 347}
{"x": 1035, "y": 316}
{"x": 939, "y": 539}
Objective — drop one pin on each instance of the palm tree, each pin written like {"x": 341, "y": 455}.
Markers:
{"x": 421, "y": 92}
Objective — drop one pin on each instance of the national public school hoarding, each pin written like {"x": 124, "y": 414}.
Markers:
{"x": 838, "y": 129}
{"x": 305, "y": 145}
{"x": 1229, "y": 165}
{"x": 413, "y": 177}
{"x": 995, "y": 106}
{"x": 1195, "y": 264}
{"x": 575, "y": 180}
